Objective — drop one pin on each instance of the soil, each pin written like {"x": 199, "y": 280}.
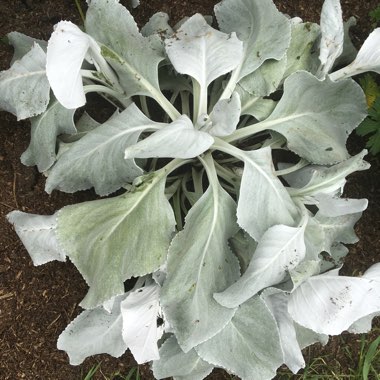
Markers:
{"x": 36, "y": 303}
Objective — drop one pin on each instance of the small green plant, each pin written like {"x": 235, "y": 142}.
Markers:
{"x": 375, "y": 16}
{"x": 133, "y": 374}
{"x": 371, "y": 125}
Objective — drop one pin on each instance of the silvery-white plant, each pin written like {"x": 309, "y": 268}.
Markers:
{"x": 229, "y": 215}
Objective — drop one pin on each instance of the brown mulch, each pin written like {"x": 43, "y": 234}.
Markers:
{"x": 36, "y": 303}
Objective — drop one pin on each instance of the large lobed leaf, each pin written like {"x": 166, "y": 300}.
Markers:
{"x": 111, "y": 240}
{"x": 97, "y": 159}
{"x": 316, "y": 116}
{"x": 264, "y": 31}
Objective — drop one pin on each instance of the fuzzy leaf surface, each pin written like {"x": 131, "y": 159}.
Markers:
{"x": 177, "y": 140}
{"x": 178, "y": 364}
{"x": 200, "y": 263}
{"x": 108, "y": 242}
{"x": 37, "y": 233}
{"x": 22, "y": 44}
{"x": 96, "y": 160}
{"x": 280, "y": 249}
{"x": 203, "y": 52}
{"x": 253, "y": 343}
{"x": 330, "y": 304}
{"x": 140, "y": 311}
{"x": 54, "y": 121}
{"x": 260, "y": 186}
{"x": 135, "y": 58}
{"x": 264, "y": 31}
{"x": 316, "y": 117}
{"x": 94, "y": 332}
{"x": 24, "y": 88}
{"x": 332, "y": 34}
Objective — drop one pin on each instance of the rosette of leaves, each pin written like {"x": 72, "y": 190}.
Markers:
{"x": 227, "y": 149}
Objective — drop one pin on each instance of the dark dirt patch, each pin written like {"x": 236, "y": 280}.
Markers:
{"x": 37, "y": 303}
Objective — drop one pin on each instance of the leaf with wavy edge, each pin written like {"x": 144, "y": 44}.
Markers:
{"x": 330, "y": 304}
{"x": 316, "y": 116}
{"x": 22, "y": 44}
{"x": 140, "y": 311}
{"x": 277, "y": 302}
{"x": 280, "y": 249}
{"x": 253, "y": 343}
{"x": 368, "y": 59}
{"x": 135, "y": 58}
{"x": 96, "y": 160}
{"x": 200, "y": 263}
{"x": 24, "y": 88}
{"x": 67, "y": 48}
{"x": 45, "y": 128}
{"x": 178, "y": 364}
{"x": 107, "y": 239}
{"x": 203, "y": 52}
{"x": 260, "y": 186}
{"x": 94, "y": 332}
{"x": 332, "y": 35}
{"x": 177, "y": 140}
{"x": 265, "y": 31}
{"x": 38, "y": 234}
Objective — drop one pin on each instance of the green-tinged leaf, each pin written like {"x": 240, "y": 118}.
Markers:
{"x": 56, "y": 120}
{"x": 277, "y": 302}
{"x": 266, "y": 79}
{"x": 260, "y": 186}
{"x": 200, "y": 263}
{"x": 97, "y": 159}
{"x": 316, "y": 116}
{"x": 243, "y": 246}
{"x": 94, "y": 332}
{"x": 280, "y": 249}
{"x": 330, "y": 304}
{"x": 302, "y": 54}
{"x": 22, "y": 44}
{"x": 24, "y": 88}
{"x": 182, "y": 366}
{"x": 177, "y": 140}
{"x": 111, "y": 240}
{"x": 249, "y": 345}
{"x": 371, "y": 125}
{"x": 38, "y": 234}
{"x": 264, "y": 31}
{"x": 134, "y": 58}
